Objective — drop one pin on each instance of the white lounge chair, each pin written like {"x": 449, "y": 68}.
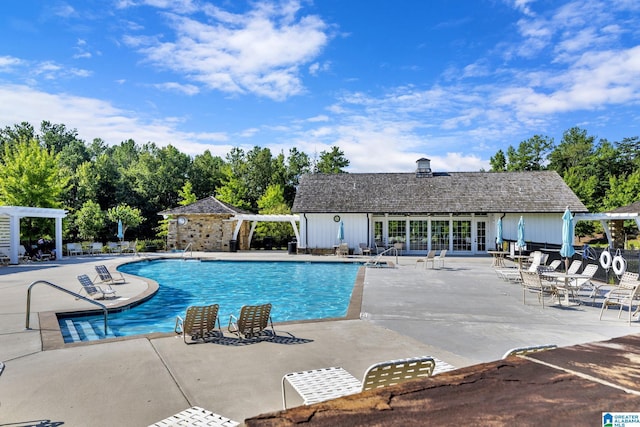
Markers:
{"x": 523, "y": 351}
{"x": 319, "y": 385}
{"x": 196, "y": 416}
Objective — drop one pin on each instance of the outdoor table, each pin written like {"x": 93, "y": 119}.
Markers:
{"x": 497, "y": 258}
{"x": 566, "y": 277}
{"x": 519, "y": 258}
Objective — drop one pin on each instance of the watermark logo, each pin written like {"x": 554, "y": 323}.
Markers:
{"x": 621, "y": 419}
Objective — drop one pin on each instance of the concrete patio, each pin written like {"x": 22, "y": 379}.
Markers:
{"x": 462, "y": 314}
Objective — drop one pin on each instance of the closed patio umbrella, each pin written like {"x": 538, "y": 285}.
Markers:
{"x": 521, "y": 243}
{"x": 567, "y": 250}
{"x": 341, "y": 232}
{"x": 120, "y": 233}
{"x": 499, "y": 234}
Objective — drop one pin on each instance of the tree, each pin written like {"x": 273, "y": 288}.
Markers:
{"x": 130, "y": 217}
{"x": 206, "y": 174}
{"x": 530, "y": 155}
{"x": 186, "y": 195}
{"x": 272, "y": 202}
{"x": 89, "y": 220}
{"x": 31, "y": 176}
{"x": 332, "y": 162}
{"x": 498, "y": 162}
{"x": 575, "y": 149}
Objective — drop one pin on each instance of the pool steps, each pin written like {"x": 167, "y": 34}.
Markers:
{"x": 83, "y": 331}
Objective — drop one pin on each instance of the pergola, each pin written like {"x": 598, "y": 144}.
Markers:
{"x": 15, "y": 213}
{"x": 608, "y": 216}
{"x": 240, "y": 218}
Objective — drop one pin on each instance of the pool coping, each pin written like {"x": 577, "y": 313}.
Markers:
{"x": 51, "y": 336}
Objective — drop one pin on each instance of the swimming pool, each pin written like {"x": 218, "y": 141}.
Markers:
{"x": 297, "y": 290}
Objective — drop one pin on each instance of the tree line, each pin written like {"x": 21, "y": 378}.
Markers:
{"x": 604, "y": 175}
{"x": 101, "y": 185}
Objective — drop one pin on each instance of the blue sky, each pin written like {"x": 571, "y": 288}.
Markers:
{"x": 386, "y": 81}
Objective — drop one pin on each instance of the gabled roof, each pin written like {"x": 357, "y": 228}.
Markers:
{"x": 209, "y": 205}
{"x": 442, "y": 193}
{"x": 632, "y": 208}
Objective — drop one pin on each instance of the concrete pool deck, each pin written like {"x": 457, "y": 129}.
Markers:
{"x": 461, "y": 314}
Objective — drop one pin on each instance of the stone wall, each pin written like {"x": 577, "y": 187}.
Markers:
{"x": 205, "y": 232}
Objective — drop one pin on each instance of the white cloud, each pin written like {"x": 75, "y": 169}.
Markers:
{"x": 178, "y": 87}
{"x": 95, "y": 118}
{"x": 9, "y": 63}
{"x": 259, "y": 52}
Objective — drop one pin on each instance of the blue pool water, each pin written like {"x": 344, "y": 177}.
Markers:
{"x": 297, "y": 291}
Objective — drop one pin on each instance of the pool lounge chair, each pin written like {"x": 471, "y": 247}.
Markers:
{"x": 252, "y": 322}
{"x": 94, "y": 290}
{"x": 196, "y": 416}
{"x": 106, "y": 277}
{"x": 323, "y": 384}
{"x": 199, "y": 323}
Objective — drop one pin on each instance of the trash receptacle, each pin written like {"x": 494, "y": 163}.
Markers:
{"x": 292, "y": 248}
{"x": 233, "y": 246}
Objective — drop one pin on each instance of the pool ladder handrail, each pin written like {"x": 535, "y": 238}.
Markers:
{"x": 78, "y": 296}
{"x": 184, "y": 251}
{"x": 376, "y": 259}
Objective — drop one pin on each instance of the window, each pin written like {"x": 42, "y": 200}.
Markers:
{"x": 462, "y": 236}
{"x": 419, "y": 235}
{"x": 439, "y": 235}
{"x": 397, "y": 231}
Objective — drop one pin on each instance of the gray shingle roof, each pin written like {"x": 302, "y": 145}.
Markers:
{"x": 209, "y": 205}
{"x": 632, "y": 208}
{"x": 454, "y": 192}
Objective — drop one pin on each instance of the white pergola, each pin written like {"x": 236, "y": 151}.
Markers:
{"x": 607, "y": 216}
{"x": 15, "y": 213}
{"x": 240, "y": 218}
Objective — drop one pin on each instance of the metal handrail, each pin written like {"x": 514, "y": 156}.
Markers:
{"x": 377, "y": 258}
{"x": 184, "y": 251}
{"x": 78, "y": 296}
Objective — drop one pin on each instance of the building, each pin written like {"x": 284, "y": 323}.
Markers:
{"x": 426, "y": 210}
{"x": 205, "y": 225}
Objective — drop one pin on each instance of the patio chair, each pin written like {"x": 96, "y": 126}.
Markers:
{"x": 4, "y": 257}
{"x": 106, "y": 277}
{"x": 523, "y": 351}
{"x": 95, "y": 248}
{"x": 427, "y": 259}
{"x": 579, "y": 283}
{"x": 574, "y": 266}
{"x": 626, "y": 293}
{"x": 513, "y": 274}
{"x": 199, "y": 323}
{"x": 364, "y": 249}
{"x": 440, "y": 258}
{"x": 252, "y": 322}
{"x": 343, "y": 249}
{"x": 323, "y": 384}
{"x": 196, "y": 416}
{"x": 94, "y": 290}
{"x": 74, "y": 249}
{"x": 532, "y": 282}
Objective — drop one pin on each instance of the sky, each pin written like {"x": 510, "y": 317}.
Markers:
{"x": 388, "y": 82}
